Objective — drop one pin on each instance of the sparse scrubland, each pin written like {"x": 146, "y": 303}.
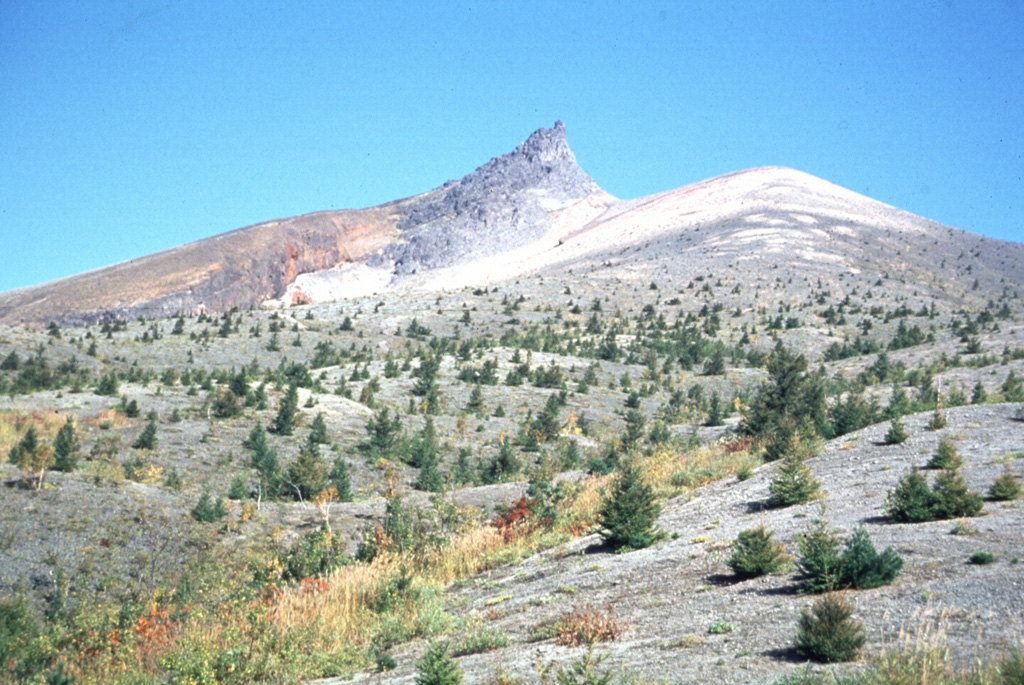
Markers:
{"x": 185, "y": 502}
{"x": 678, "y": 456}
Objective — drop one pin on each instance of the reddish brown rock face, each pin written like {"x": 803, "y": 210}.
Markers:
{"x": 242, "y": 268}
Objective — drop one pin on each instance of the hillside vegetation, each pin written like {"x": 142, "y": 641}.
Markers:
{"x": 758, "y": 429}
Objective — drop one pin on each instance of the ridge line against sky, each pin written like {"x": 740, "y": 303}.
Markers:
{"x": 131, "y": 127}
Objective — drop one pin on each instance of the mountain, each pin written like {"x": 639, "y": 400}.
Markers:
{"x": 477, "y": 363}
{"x": 531, "y": 210}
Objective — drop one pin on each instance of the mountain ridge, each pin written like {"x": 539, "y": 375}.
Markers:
{"x": 531, "y": 209}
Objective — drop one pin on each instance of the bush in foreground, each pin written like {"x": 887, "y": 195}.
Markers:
{"x": 863, "y": 567}
{"x": 828, "y": 633}
{"x": 912, "y": 502}
{"x": 756, "y": 554}
{"x": 437, "y": 668}
{"x": 629, "y": 511}
{"x": 794, "y": 483}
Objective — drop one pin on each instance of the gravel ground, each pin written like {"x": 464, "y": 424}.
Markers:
{"x": 670, "y": 594}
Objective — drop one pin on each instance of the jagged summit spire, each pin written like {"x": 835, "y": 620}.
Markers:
{"x": 500, "y": 205}
{"x": 550, "y": 163}
{"x": 545, "y": 140}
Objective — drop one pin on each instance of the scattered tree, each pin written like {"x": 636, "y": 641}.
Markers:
{"x": 629, "y": 511}
{"x": 794, "y": 483}
{"x": 1006, "y": 487}
{"x": 207, "y": 510}
{"x": 340, "y": 479}
{"x": 827, "y": 633}
{"x": 946, "y": 455}
{"x": 287, "y": 412}
{"x": 308, "y": 474}
{"x": 66, "y": 447}
{"x": 896, "y": 434}
{"x": 147, "y": 438}
{"x": 756, "y": 554}
{"x": 318, "y": 431}
{"x": 437, "y": 668}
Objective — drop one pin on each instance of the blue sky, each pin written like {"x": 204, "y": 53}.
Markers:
{"x": 130, "y": 127}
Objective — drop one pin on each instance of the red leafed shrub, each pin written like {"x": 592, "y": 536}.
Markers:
{"x": 741, "y": 444}
{"x": 515, "y": 520}
{"x": 313, "y": 586}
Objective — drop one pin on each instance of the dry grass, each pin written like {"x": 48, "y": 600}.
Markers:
{"x": 343, "y": 610}
{"x": 13, "y": 425}
{"x": 106, "y": 419}
{"x": 585, "y": 625}
{"x": 670, "y": 471}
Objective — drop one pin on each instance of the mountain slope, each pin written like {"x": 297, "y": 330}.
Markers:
{"x": 535, "y": 211}
{"x": 501, "y": 205}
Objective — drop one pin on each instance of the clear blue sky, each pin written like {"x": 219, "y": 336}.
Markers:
{"x": 129, "y": 127}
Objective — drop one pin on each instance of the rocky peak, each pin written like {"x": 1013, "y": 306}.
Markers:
{"x": 543, "y": 161}
{"x": 498, "y": 206}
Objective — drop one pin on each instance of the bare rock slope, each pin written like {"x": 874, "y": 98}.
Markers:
{"x": 667, "y": 598}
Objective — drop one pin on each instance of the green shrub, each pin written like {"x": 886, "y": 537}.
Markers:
{"x": 946, "y": 456}
{"x": 173, "y": 480}
{"x": 108, "y": 385}
{"x": 1011, "y": 667}
{"x": 794, "y": 483}
{"x": 910, "y": 501}
{"x": 318, "y": 431}
{"x": 482, "y": 639}
{"x": 65, "y": 447}
{"x": 896, "y": 434}
{"x": 316, "y": 553}
{"x": 628, "y": 513}
{"x": 340, "y": 479}
{"x": 937, "y": 422}
{"x": 238, "y": 490}
{"x": 819, "y": 563}
{"x": 757, "y": 554}
{"x": 147, "y": 438}
{"x": 952, "y": 498}
{"x": 208, "y": 511}
{"x": 308, "y": 474}
{"x": 385, "y": 663}
{"x": 287, "y": 412}
{"x": 437, "y": 668}
{"x": 827, "y": 633}
{"x": 982, "y": 558}
{"x": 1006, "y": 487}
{"x": 582, "y": 671}
{"x": 862, "y": 567}
{"x": 134, "y": 468}
{"x": 24, "y": 651}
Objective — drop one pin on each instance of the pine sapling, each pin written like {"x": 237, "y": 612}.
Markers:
{"x": 629, "y": 511}
{"x": 896, "y": 434}
{"x": 863, "y": 567}
{"x": 819, "y": 563}
{"x": 1006, "y": 487}
{"x": 794, "y": 483}
{"x": 757, "y": 554}
{"x": 946, "y": 455}
{"x": 828, "y": 633}
{"x": 953, "y": 499}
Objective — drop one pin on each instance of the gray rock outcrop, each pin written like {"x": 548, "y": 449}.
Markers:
{"x": 501, "y": 205}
